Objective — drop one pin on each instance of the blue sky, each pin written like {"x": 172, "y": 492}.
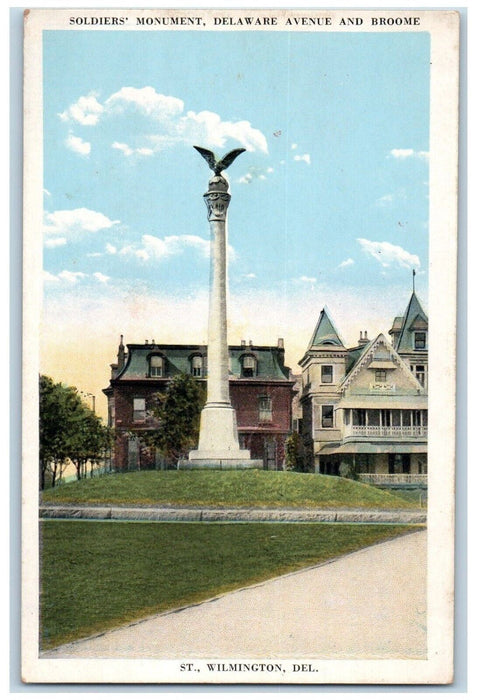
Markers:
{"x": 329, "y": 202}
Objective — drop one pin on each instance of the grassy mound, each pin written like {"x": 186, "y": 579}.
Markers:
{"x": 225, "y": 488}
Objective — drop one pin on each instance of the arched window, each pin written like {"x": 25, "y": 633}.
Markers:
{"x": 196, "y": 366}
{"x": 156, "y": 366}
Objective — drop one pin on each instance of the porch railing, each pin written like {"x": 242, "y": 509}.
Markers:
{"x": 401, "y": 432}
{"x": 394, "y": 478}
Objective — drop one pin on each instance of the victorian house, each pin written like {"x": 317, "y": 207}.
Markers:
{"x": 365, "y": 407}
{"x": 261, "y": 391}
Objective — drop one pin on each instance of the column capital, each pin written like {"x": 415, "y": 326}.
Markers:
{"x": 217, "y": 198}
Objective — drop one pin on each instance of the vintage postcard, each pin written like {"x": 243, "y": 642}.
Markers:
{"x": 240, "y": 245}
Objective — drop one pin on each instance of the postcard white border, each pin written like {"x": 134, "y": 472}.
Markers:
{"x": 444, "y": 29}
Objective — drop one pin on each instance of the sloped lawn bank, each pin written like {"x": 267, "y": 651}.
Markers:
{"x": 225, "y": 488}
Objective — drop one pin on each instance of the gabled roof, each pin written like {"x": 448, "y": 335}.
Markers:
{"x": 415, "y": 318}
{"x": 325, "y": 332}
{"x": 379, "y": 353}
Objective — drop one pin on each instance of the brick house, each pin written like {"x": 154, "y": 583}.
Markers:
{"x": 365, "y": 407}
{"x": 261, "y": 392}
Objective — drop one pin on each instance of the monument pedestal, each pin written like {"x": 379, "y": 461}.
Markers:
{"x": 218, "y": 442}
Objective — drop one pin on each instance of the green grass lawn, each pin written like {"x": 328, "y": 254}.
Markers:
{"x": 225, "y": 488}
{"x": 99, "y": 575}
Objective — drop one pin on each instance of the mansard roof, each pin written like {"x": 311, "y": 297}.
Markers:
{"x": 325, "y": 332}
{"x": 414, "y": 319}
{"x": 270, "y": 360}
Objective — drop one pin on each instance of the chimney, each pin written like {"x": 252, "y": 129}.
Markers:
{"x": 363, "y": 339}
{"x": 280, "y": 344}
{"x": 121, "y": 354}
{"x": 242, "y": 343}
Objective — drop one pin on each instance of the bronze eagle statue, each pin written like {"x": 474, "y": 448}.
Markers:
{"x": 218, "y": 165}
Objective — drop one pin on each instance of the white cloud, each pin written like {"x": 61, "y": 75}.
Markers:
{"x": 346, "y": 263}
{"x": 309, "y": 280}
{"x": 249, "y": 276}
{"x": 71, "y": 221}
{"x": 389, "y": 254}
{"x": 77, "y": 145}
{"x": 72, "y": 277}
{"x": 402, "y": 153}
{"x": 111, "y": 249}
{"x": 208, "y": 127}
{"x": 86, "y": 111}
{"x": 385, "y": 200}
{"x": 159, "y": 248}
{"x": 128, "y": 151}
{"x": 294, "y": 146}
{"x": 100, "y": 277}
{"x": 55, "y": 242}
{"x": 254, "y": 173}
{"x": 146, "y": 101}
{"x": 169, "y": 123}
{"x": 48, "y": 277}
{"x": 305, "y": 158}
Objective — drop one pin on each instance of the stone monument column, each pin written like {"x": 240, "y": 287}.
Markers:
{"x": 218, "y": 438}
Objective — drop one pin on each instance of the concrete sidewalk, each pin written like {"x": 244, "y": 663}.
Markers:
{"x": 230, "y": 514}
{"x": 367, "y": 605}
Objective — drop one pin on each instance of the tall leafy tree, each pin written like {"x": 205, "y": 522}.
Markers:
{"x": 69, "y": 431}
{"x": 178, "y": 414}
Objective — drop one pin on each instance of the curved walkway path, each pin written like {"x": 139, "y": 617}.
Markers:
{"x": 370, "y": 604}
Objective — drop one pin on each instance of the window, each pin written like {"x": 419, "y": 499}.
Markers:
{"x": 139, "y": 409}
{"x": 264, "y": 409}
{"x": 420, "y": 340}
{"x": 385, "y": 417}
{"x": 416, "y": 418}
{"x": 249, "y": 366}
{"x": 156, "y": 366}
{"x": 327, "y": 374}
{"x": 327, "y": 416}
{"x": 196, "y": 366}
{"x": 380, "y": 376}
{"x": 359, "y": 416}
{"x": 420, "y": 374}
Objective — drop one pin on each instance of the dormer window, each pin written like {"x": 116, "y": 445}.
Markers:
{"x": 249, "y": 366}
{"x": 196, "y": 366}
{"x": 420, "y": 340}
{"x": 156, "y": 366}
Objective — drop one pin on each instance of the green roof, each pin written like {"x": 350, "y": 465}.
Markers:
{"x": 269, "y": 360}
{"x": 325, "y": 333}
{"x": 414, "y": 318}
